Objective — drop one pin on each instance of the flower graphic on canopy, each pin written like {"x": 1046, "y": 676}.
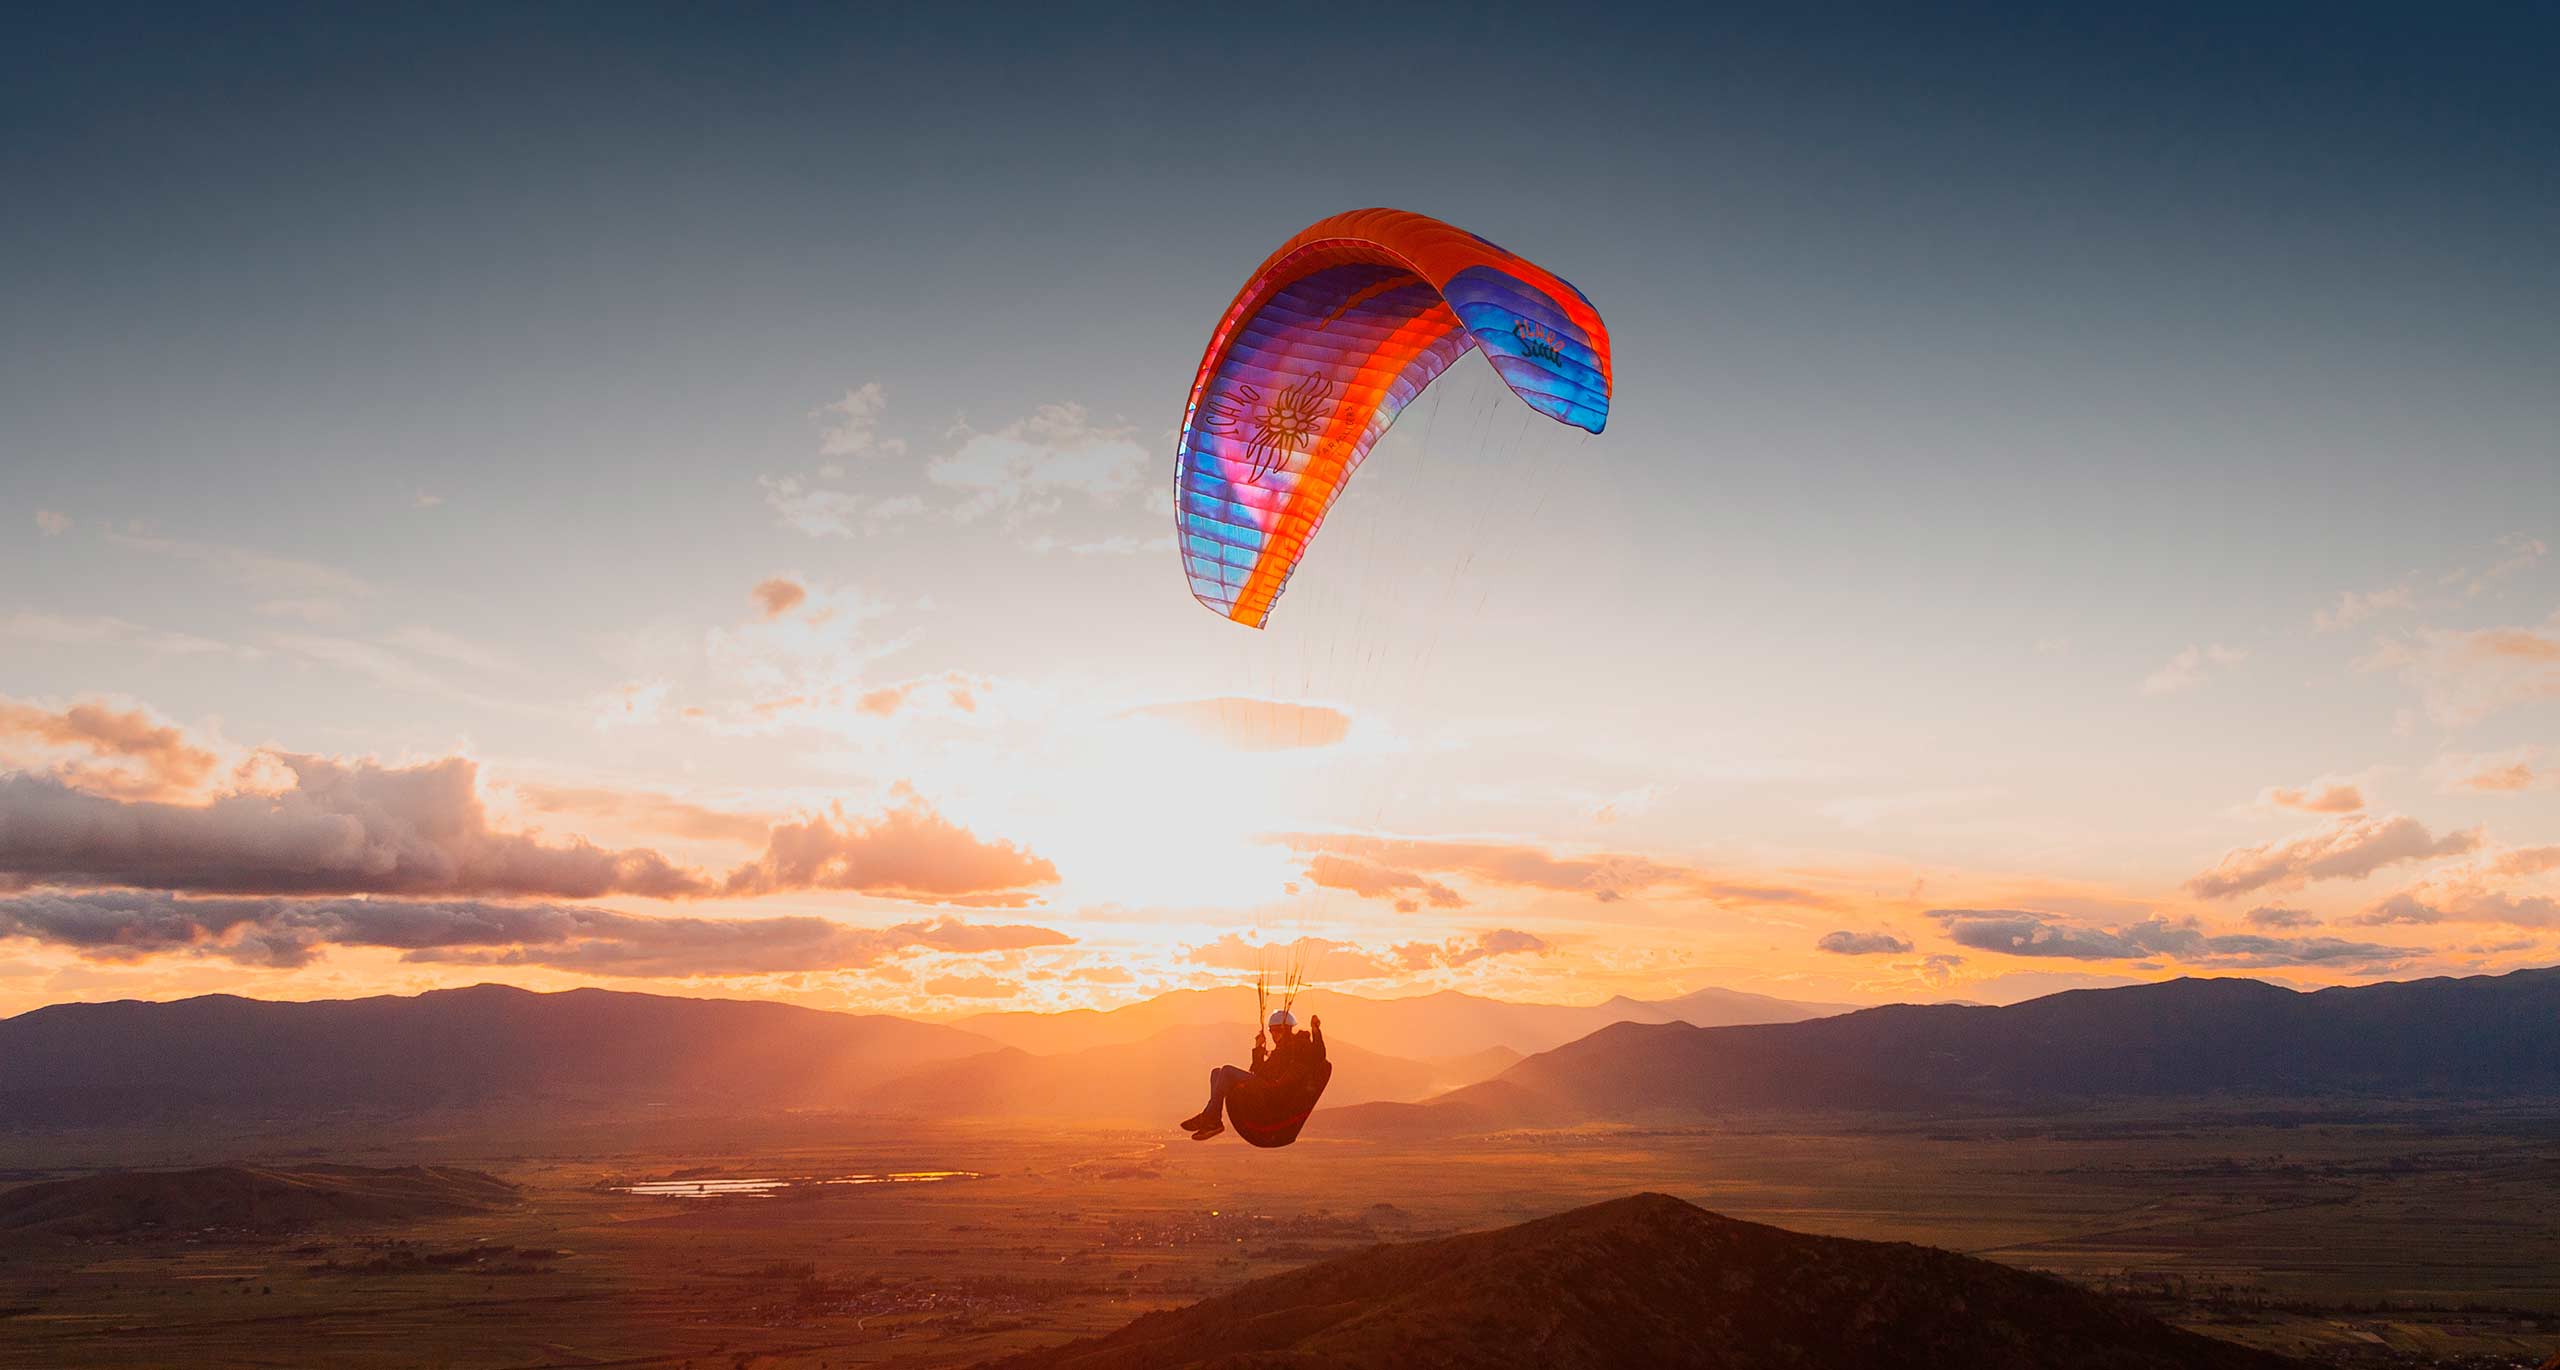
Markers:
{"x": 1274, "y": 429}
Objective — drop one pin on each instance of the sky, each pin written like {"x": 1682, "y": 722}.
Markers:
{"x": 677, "y": 499}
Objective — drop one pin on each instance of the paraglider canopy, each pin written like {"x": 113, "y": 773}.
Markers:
{"x": 1330, "y": 338}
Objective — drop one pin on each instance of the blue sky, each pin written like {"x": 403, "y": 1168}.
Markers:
{"x": 2008, "y": 403}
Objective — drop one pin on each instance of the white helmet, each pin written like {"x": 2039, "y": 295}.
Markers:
{"x": 1281, "y": 1017}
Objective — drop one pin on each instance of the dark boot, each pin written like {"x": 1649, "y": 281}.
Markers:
{"x": 1204, "y": 1119}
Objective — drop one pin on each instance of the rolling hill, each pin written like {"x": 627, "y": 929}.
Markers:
{"x": 2476, "y": 1037}
{"x": 245, "y": 1199}
{"x": 484, "y": 1045}
{"x": 1651, "y": 1281}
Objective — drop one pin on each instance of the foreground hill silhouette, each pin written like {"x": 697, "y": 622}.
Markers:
{"x": 244, "y": 1199}
{"x": 462, "y": 1047}
{"x": 2478, "y": 1037}
{"x": 1651, "y": 1281}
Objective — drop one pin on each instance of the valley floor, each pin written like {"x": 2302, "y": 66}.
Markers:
{"x": 2368, "y": 1236}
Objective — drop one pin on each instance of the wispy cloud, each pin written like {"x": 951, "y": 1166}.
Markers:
{"x": 2351, "y": 849}
{"x": 294, "y": 588}
{"x": 1406, "y": 888}
{"x": 825, "y": 512}
{"x": 1457, "y": 952}
{"x": 2189, "y": 668}
{"x": 2353, "y": 608}
{"x": 852, "y": 425}
{"x": 1253, "y": 725}
{"x": 2465, "y": 676}
{"x": 646, "y": 811}
{"x": 58, "y": 630}
{"x": 2320, "y": 796}
{"x": 1863, "y": 944}
{"x": 2514, "y": 553}
{"x": 2509, "y": 772}
{"x": 1032, "y": 465}
{"x": 1604, "y": 876}
{"x": 2030, "y": 932}
{"x": 133, "y": 925}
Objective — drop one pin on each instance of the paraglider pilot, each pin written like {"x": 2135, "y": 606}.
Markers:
{"x": 1291, "y": 1060}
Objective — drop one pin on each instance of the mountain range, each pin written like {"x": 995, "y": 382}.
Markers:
{"x": 491, "y": 1044}
{"x": 2475, "y": 1037}
{"x": 1427, "y": 1026}
{"x": 460, "y": 1047}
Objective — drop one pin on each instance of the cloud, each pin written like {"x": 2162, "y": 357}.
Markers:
{"x": 907, "y": 852}
{"x": 338, "y": 829}
{"x": 2028, "y": 932}
{"x": 2463, "y": 677}
{"x": 1606, "y": 876}
{"x": 1380, "y": 882}
{"x": 2523, "y": 861}
{"x": 2272, "y": 916}
{"x": 444, "y": 646}
{"x": 2353, "y": 608}
{"x": 778, "y": 596}
{"x": 51, "y": 523}
{"x": 850, "y": 428}
{"x": 147, "y": 759}
{"x": 2189, "y": 667}
{"x": 2516, "y": 553}
{"x": 2462, "y": 905}
{"x": 133, "y": 925}
{"x": 378, "y": 661}
{"x": 1253, "y": 725}
{"x": 55, "y": 630}
{"x": 2025, "y": 932}
{"x": 2509, "y": 772}
{"x": 959, "y": 691}
{"x": 1866, "y": 810}
{"x": 824, "y": 512}
{"x": 656, "y": 813}
{"x": 1937, "y": 970}
{"x": 2351, "y": 849}
{"x": 810, "y": 658}
{"x": 852, "y": 425}
{"x": 640, "y": 702}
{"x": 296, "y": 588}
{"x": 969, "y": 987}
{"x": 1466, "y": 951}
{"x": 2320, "y": 796}
{"x": 1030, "y": 466}
{"x": 1323, "y": 959}
{"x": 1117, "y": 545}
{"x": 1863, "y": 943}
